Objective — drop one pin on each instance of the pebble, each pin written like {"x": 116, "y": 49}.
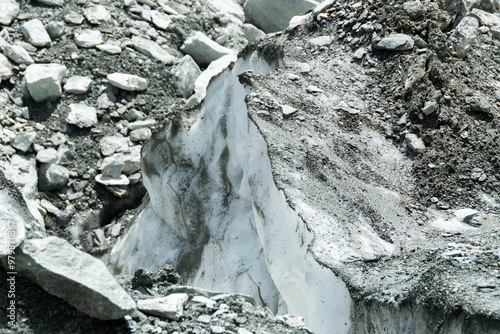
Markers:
{"x": 430, "y": 107}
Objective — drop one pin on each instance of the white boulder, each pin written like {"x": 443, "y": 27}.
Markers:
{"x": 77, "y": 85}
{"x": 17, "y": 54}
{"x": 88, "y": 38}
{"x": 82, "y": 115}
{"x": 184, "y": 75}
{"x": 127, "y": 82}
{"x": 34, "y": 32}
{"x": 9, "y": 11}
{"x": 97, "y": 14}
{"x": 44, "y": 81}
{"x": 152, "y": 50}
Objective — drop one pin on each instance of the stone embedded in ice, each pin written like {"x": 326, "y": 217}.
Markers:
{"x": 9, "y": 10}
{"x": 203, "y": 49}
{"x": 82, "y": 115}
{"x": 34, "y": 32}
{"x": 127, "y": 82}
{"x": 88, "y": 38}
{"x": 44, "y": 81}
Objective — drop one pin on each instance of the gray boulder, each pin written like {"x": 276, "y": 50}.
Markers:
{"x": 203, "y": 49}
{"x": 44, "y": 81}
{"x": 74, "y": 276}
{"x": 274, "y": 15}
{"x": 89, "y": 38}
{"x": 395, "y": 42}
{"x": 464, "y": 36}
{"x": 184, "y": 75}
{"x": 9, "y": 12}
{"x": 52, "y": 177}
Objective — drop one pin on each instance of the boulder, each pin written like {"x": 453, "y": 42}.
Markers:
{"x": 115, "y": 143}
{"x": 47, "y": 156}
{"x": 77, "y": 85}
{"x": 34, "y": 32}
{"x": 274, "y": 15}
{"x": 140, "y": 135}
{"x": 414, "y": 142}
{"x": 97, "y": 14}
{"x": 127, "y": 82}
{"x": 152, "y": 50}
{"x": 464, "y": 36}
{"x": 74, "y": 276}
{"x": 52, "y": 177}
{"x": 44, "y": 81}
{"x": 122, "y": 163}
{"x": 203, "y": 49}
{"x": 9, "y": 12}
{"x": 485, "y": 18}
{"x": 184, "y": 75}
{"x": 395, "y": 42}
{"x": 56, "y": 29}
{"x": 170, "y": 307}
{"x": 82, "y": 115}
{"x": 414, "y": 9}
{"x": 17, "y": 54}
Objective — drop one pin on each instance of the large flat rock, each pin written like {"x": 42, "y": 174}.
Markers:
{"x": 76, "y": 277}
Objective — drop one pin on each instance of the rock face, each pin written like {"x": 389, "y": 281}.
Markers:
{"x": 274, "y": 15}
{"x": 44, "y": 81}
{"x": 76, "y": 277}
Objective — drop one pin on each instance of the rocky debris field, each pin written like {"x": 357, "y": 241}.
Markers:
{"x": 85, "y": 84}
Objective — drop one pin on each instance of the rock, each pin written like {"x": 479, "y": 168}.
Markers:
{"x": 122, "y": 163}
{"x": 9, "y": 12}
{"x": 147, "y": 123}
{"x": 44, "y": 81}
{"x": 161, "y": 20}
{"x": 464, "y": 36}
{"x": 77, "y": 85}
{"x": 274, "y": 15}
{"x": 140, "y": 135}
{"x": 47, "y": 156}
{"x": 495, "y": 32}
{"x": 152, "y": 50}
{"x": 430, "y": 107}
{"x": 52, "y": 2}
{"x": 184, "y": 75}
{"x": 210, "y": 303}
{"x": 7, "y": 150}
{"x": 96, "y": 14}
{"x": 52, "y": 177}
{"x": 66, "y": 154}
{"x": 5, "y": 68}
{"x": 485, "y": 18}
{"x": 115, "y": 143}
{"x": 82, "y": 115}
{"x": 414, "y": 9}
{"x": 491, "y": 6}
{"x": 112, "y": 49}
{"x": 359, "y": 54}
{"x": 107, "y": 180}
{"x": 414, "y": 142}
{"x": 23, "y": 141}
{"x": 468, "y": 216}
{"x": 395, "y": 42}
{"x": 203, "y": 49}
{"x": 170, "y": 307}
{"x": 217, "y": 330}
{"x": 56, "y": 29}
{"x": 288, "y": 111}
{"x": 88, "y": 38}
{"x": 34, "y": 32}
{"x": 74, "y": 18}
{"x": 74, "y": 276}
{"x": 127, "y": 82}
{"x": 17, "y": 54}
{"x": 320, "y": 41}
{"x": 204, "y": 318}
{"x": 252, "y": 33}
{"x": 98, "y": 237}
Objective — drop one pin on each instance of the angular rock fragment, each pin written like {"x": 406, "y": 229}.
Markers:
{"x": 9, "y": 11}
{"x": 89, "y": 38}
{"x": 82, "y": 115}
{"x": 252, "y": 33}
{"x": 17, "y": 54}
{"x": 77, "y": 85}
{"x": 5, "y": 68}
{"x": 44, "y": 81}
{"x": 56, "y": 29}
{"x": 112, "y": 144}
{"x": 97, "y": 14}
{"x": 161, "y": 20}
{"x": 274, "y": 15}
{"x": 485, "y": 18}
{"x": 47, "y": 156}
{"x": 52, "y": 177}
{"x": 203, "y": 49}
{"x": 74, "y": 276}
{"x": 127, "y": 82}
{"x": 414, "y": 142}
{"x": 108, "y": 180}
{"x": 414, "y": 9}
{"x": 464, "y": 36}
{"x": 184, "y": 75}
{"x": 23, "y": 141}
{"x": 122, "y": 163}
{"x": 34, "y": 32}
{"x": 170, "y": 307}
{"x": 153, "y": 50}
{"x": 395, "y": 42}
{"x": 112, "y": 49}
{"x": 52, "y": 2}
{"x": 140, "y": 135}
